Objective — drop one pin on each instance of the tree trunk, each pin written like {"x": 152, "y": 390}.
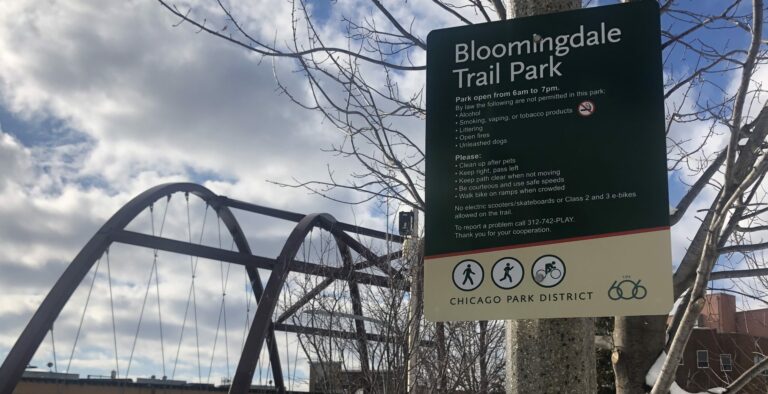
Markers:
{"x": 442, "y": 357}
{"x": 483, "y": 359}
{"x": 549, "y": 355}
{"x": 638, "y": 341}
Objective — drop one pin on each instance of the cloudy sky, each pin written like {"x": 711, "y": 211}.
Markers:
{"x": 101, "y": 100}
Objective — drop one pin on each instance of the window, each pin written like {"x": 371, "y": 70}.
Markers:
{"x": 702, "y": 359}
{"x": 726, "y": 362}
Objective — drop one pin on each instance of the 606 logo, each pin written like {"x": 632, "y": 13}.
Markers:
{"x": 627, "y": 289}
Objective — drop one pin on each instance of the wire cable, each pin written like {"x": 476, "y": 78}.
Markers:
{"x": 222, "y": 311}
{"x": 82, "y": 316}
{"x": 53, "y": 345}
{"x": 215, "y": 341}
{"x": 191, "y": 296}
{"x": 112, "y": 308}
{"x": 141, "y": 318}
{"x": 194, "y": 289}
{"x": 157, "y": 282}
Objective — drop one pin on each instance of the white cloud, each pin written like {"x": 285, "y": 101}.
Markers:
{"x": 145, "y": 103}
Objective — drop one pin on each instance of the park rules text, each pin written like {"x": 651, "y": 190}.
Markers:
{"x": 558, "y": 46}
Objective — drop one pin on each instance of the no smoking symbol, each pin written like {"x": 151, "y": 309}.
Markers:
{"x": 586, "y": 108}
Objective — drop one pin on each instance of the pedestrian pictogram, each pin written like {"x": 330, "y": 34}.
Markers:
{"x": 548, "y": 271}
{"x": 468, "y": 275}
{"x": 586, "y": 108}
{"x": 507, "y": 273}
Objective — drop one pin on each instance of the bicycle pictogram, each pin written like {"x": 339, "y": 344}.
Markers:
{"x": 627, "y": 289}
{"x": 548, "y": 271}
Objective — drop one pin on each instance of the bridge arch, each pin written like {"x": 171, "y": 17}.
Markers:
{"x": 262, "y": 329}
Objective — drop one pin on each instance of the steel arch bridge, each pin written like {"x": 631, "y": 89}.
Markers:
{"x": 262, "y": 330}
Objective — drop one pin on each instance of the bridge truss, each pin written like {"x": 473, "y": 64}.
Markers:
{"x": 370, "y": 269}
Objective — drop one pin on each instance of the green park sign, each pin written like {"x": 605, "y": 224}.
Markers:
{"x": 546, "y": 184}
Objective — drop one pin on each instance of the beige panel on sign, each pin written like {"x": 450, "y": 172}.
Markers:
{"x": 621, "y": 275}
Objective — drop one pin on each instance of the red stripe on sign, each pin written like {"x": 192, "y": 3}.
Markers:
{"x": 556, "y": 241}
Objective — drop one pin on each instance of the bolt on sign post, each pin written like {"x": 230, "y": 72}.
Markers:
{"x": 546, "y": 168}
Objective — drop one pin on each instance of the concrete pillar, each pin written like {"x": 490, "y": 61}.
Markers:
{"x": 551, "y": 356}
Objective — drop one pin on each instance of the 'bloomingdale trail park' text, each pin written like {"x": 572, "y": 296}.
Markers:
{"x": 560, "y": 45}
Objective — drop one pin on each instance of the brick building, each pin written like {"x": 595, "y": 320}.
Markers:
{"x": 725, "y": 343}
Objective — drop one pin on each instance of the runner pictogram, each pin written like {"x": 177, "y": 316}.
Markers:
{"x": 507, "y": 273}
{"x": 586, "y": 108}
{"x": 468, "y": 275}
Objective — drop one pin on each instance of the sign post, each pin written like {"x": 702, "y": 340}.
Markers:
{"x": 546, "y": 168}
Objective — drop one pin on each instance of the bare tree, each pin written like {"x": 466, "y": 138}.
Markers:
{"x": 734, "y": 174}
{"x": 716, "y": 128}
{"x": 360, "y": 336}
